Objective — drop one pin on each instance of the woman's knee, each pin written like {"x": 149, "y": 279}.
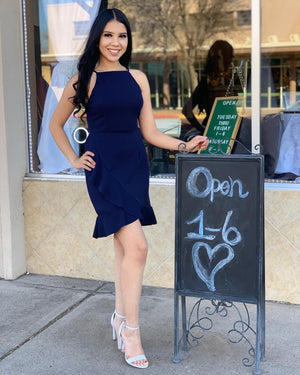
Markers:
{"x": 133, "y": 241}
{"x": 139, "y": 250}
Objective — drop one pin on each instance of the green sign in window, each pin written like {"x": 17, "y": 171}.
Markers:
{"x": 223, "y": 125}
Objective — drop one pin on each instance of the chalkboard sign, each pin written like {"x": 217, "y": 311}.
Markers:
{"x": 223, "y": 125}
{"x": 219, "y": 226}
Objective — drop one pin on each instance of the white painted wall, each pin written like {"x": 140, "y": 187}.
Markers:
{"x": 12, "y": 141}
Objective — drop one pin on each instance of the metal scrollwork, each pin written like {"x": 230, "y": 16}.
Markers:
{"x": 200, "y": 320}
{"x": 217, "y": 148}
{"x": 199, "y": 325}
{"x": 259, "y": 148}
{"x": 218, "y": 307}
{"x": 218, "y": 143}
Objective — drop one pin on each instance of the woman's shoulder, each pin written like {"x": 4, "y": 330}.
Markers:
{"x": 140, "y": 77}
{"x": 70, "y": 86}
{"x": 74, "y": 79}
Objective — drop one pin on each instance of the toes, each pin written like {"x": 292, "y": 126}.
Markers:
{"x": 141, "y": 363}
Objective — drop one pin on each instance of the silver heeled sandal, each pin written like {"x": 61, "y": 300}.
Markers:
{"x": 137, "y": 357}
{"x": 114, "y": 333}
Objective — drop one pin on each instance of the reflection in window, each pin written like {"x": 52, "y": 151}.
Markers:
{"x": 64, "y": 26}
{"x": 173, "y": 43}
{"x": 244, "y": 17}
{"x": 280, "y": 91}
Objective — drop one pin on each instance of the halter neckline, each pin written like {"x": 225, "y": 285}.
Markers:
{"x": 110, "y": 71}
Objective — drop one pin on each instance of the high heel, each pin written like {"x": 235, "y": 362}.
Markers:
{"x": 137, "y": 357}
{"x": 114, "y": 333}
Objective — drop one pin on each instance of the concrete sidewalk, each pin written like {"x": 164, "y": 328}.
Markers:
{"x": 61, "y": 326}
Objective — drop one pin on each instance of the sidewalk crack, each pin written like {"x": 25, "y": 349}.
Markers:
{"x": 49, "y": 324}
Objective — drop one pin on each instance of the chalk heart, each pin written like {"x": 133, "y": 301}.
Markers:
{"x": 202, "y": 272}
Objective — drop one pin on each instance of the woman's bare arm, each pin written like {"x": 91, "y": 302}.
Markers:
{"x": 148, "y": 127}
{"x": 63, "y": 111}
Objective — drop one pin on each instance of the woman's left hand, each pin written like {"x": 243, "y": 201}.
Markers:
{"x": 199, "y": 142}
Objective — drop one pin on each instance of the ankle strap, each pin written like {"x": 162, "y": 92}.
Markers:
{"x": 118, "y": 315}
{"x": 131, "y": 328}
{"x": 123, "y": 325}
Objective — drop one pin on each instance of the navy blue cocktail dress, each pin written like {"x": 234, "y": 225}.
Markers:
{"x": 119, "y": 184}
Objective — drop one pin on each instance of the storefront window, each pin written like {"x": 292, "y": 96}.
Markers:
{"x": 192, "y": 52}
{"x": 60, "y": 30}
{"x": 280, "y": 91}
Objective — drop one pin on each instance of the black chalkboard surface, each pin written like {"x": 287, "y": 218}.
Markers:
{"x": 219, "y": 241}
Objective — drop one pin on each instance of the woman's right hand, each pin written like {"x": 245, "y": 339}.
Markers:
{"x": 85, "y": 161}
{"x": 197, "y": 143}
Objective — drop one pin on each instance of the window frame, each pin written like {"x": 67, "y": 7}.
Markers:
{"x": 30, "y": 95}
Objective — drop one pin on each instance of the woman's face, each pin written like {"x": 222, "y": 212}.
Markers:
{"x": 113, "y": 41}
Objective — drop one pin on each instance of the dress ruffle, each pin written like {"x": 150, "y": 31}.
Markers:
{"x": 107, "y": 224}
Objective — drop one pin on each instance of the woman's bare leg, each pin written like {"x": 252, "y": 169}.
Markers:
{"x": 132, "y": 239}
{"x": 119, "y": 255}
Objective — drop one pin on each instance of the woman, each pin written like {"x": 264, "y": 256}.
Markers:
{"x": 118, "y": 106}
{"x": 213, "y": 83}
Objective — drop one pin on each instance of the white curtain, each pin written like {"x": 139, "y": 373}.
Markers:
{"x": 69, "y": 22}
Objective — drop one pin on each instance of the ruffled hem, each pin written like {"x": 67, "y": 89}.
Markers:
{"x": 110, "y": 224}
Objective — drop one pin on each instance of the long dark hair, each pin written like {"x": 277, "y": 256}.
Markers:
{"x": 91, "y": 54}
{"x": 219, "y": 47}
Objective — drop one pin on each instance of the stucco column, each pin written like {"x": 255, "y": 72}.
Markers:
{"x": 12, "y": 141}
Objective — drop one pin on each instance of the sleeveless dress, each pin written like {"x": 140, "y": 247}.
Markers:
{"x": 119, "y": 184}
